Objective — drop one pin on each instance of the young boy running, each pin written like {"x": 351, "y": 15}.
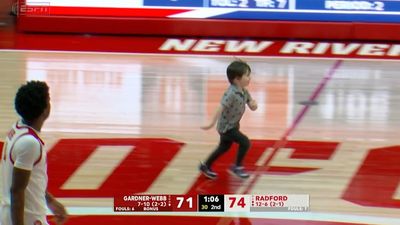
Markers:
{"x": 228, "y": 115}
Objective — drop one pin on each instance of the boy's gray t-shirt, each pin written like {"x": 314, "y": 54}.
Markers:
{"x": 234, "y": 104}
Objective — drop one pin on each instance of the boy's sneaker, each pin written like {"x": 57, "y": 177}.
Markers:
{"x": 239, "y": 172}
{"x": 207, "y": 171}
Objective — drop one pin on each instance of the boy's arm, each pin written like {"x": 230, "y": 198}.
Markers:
{"x": 215, "y": 117}
{"x": 251, "y": 102}
{"x": 252, "y": 105}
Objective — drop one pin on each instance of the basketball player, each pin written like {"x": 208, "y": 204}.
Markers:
{"x": 24, "y": 166}
{"x": 228, "y": 114}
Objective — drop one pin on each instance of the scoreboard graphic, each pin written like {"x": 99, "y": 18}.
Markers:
{"x": 293, "y": 10}
{"x": 212, "y": 203}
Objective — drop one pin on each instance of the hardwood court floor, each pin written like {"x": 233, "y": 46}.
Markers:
{"x": 129, "y": 124}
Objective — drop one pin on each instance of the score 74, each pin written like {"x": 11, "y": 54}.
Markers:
{"x": 237, "y": 203}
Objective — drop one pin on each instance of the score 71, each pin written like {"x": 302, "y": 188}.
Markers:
{"x": 237, "y": 203}
{"x": 184, "y": 203}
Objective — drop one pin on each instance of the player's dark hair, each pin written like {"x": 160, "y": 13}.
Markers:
{"x": 237, "y": 69}
{"x": 31, "y": 100}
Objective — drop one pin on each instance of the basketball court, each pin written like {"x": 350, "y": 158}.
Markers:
{"x": 125, "y": 123}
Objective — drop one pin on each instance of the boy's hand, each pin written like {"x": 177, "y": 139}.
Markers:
{"x": 207, "y": 127}
{"x": 253, "y": 105}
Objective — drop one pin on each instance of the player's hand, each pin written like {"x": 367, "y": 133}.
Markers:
{"x": 253, "y": 105}
{"x": 60, "y": 214}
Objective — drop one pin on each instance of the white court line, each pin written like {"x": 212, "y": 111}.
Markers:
{"x": 84, "y": 179}
{"x": 220, "y": 55}
{"x": 311, "y": 216}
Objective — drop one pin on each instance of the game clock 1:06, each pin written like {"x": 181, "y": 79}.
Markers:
{"x": 211, "y": 198}
{"x": 211, "y": 203}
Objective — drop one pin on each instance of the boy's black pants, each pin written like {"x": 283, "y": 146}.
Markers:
{"x": 225, "y": 142}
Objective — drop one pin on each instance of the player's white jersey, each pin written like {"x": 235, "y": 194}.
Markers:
{"x": 24, "y": 149}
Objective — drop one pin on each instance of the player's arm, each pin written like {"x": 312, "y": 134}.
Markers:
{"x": 26, "y": 150}
{"x": 20, "y": 179}
{"x": 60, "y": 214}
{"x": 214, "y": 119}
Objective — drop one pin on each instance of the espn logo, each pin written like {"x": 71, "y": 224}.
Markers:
{"x": 33, "y": 8}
